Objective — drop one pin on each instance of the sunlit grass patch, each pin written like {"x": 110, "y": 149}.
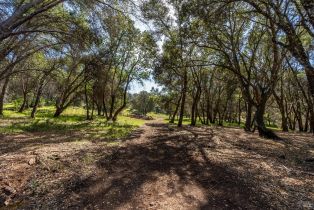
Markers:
{"x": 130, "y": 121}
{"x": 73, "y": 119}
{"x": 41, "y": 125}
{"x": 158, "y": 115}
{"x": 8, "y": 114}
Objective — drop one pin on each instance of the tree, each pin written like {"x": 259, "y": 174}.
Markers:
{"x": 143, "y": 103}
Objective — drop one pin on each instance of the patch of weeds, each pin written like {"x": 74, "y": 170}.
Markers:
{"x": 119, "y": 131}
{"x": 56, "y": 166}
{"x": 113, "y": 143}
{"x": 88, "y": 159}
{"x": 297, "y": 160}
{"x": 34, "y": 186}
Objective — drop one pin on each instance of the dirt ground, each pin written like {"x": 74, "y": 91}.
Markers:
{"x": 158, "y": 167}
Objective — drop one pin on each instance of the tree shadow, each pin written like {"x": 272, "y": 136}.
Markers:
{"x": 123, "y": 174}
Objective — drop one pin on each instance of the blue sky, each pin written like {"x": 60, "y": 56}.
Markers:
{"x": 147, "y": 85}
{"x": 136, "y": 87}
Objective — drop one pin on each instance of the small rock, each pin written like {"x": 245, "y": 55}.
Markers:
{"x": 7, "y": 202}
{"x": 282, "y": 157}
{"x": 32, "y": 161}
{"x": 54, "y": 157}
{"x": 2, "y": 201}
{"x": 309, "y": 160}
{"x": 9, "y": 190}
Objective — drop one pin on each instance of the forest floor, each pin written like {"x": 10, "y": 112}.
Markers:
{"x": 159, "y": 166}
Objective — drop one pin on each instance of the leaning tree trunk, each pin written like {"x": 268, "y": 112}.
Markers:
{"x": 259, "y": 122}
{"x": 58, "y": 111}
{"x": 23, "y": 106}
{"x": 38, "y": 94}
{"x": 37, "y": 100}
{"x": 120, "y": 109}
{"x": 175, "y": 111}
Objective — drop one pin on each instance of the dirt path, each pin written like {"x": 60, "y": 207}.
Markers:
{"x": 164, "y": 167}
{"x": 158, "y": 168}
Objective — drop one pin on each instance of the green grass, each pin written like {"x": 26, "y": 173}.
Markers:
{"x": 73, "y": 119}
{"x": 158, "y": 115}
{"x": 187, "y": 121}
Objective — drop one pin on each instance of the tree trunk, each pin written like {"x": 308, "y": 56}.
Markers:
{"x": 59, "y": 110}
{"x": 306, "y": 124}
{"x": 259, "y": 122}
{"x": 23, "y": 106}
{"x": 248, "y": 121}
{"x": 93, "y": 108}
{"x": 105, "y": 112}
{"x": 193, "y": 113}
{"x": 115, "y": 116}
{"x": 298, "y": 116}
{"x": 311, "y": 120}
{"x": 209, "y": 117}
{"x": 37, "y": 100}
{"x": 281, "y": 106}
{"x": 184, "y": 90}
{"x": 239, "y": 112}
{"x": 113, "y": 99}
{"x": 284, "y": 122}
{"x": 194, "y": 107}
{"x": 176, "y": 110}
{"x": 309, "y": 71}
{"x": 2, "y": 94}
{"x": 99, "y": 108}
{"x": 86, "y": 103}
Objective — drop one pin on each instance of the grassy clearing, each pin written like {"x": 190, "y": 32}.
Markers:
{"x": 156, "y": 116}
{"x": 73, "y": 119}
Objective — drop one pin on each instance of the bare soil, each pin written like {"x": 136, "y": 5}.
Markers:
{"x": 158, "y": 167}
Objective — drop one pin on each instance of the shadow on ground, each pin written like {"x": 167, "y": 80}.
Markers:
{"x": 163, "y": 173}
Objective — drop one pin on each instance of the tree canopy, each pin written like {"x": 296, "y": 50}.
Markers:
{"x": 228, "y": 61}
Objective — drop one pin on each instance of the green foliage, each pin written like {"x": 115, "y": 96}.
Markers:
{"x": 142, "y": 103}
